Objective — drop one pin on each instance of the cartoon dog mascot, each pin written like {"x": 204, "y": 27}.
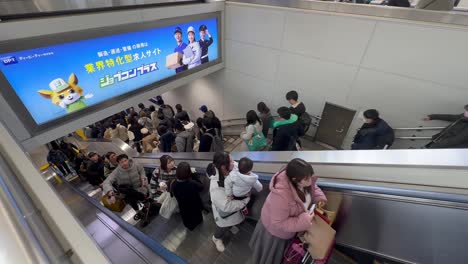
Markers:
{"x": 69, "y": 95}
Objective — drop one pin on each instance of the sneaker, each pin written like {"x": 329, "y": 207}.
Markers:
{"x": 234, "y": 230}
{"x": 219, "y": 244}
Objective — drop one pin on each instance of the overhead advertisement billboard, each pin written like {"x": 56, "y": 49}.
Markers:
{"x": 66, "y": 79}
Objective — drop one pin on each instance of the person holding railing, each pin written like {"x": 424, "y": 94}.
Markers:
{"x": 375, "y": 133}
{"x": 454, "y": 135}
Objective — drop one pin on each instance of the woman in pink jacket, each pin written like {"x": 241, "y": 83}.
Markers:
{"x": 285, "y": 212}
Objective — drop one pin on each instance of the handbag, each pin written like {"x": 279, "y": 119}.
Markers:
{"x": 118, "y": 206}
{"x": 320, "y": 237}
{"x": 257, "y": 142}
{"x": 294, "y": 252}
{"x": 169, "y": 205}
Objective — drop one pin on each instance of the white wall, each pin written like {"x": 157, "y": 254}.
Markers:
{"x": 404, "y": 69}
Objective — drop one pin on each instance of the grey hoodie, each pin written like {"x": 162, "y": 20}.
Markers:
{"x": 239, "y": 184}
{"x": 133, "y": 176}
{"x": 184, "y": 141}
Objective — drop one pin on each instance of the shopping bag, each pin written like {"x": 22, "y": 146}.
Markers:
{"x": 320, "y": 237}
{"x": 294, "y": 252}
{"x": 257, "y": 142}
{"x": 117, "y": 206}
{"x": 168, "y": 207}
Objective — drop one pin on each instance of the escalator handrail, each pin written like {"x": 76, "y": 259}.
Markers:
{"x": 156, "y": 247}
{"x": 418, "y": 194}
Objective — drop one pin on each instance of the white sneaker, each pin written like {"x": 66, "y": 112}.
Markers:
{"x": 219, "y": 244}
{"x": 234, "y": 230}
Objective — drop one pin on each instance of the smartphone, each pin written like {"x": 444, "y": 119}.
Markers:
{"x": 311, "y": 210}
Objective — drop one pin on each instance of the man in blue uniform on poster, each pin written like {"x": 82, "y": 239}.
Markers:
{"x": 204, "y": 44}
{"x": 180, "y": 47}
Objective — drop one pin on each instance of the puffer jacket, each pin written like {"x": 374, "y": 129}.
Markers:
{"x": 283, "y": 213}
{"x": 239, "y": 184}
{"x": 56, "y": 156}
{"x": 221, "y": 203}
{"x": 376, "y": 135}
{"x": 134, "y": 176}
{"x": 184, "y": 141}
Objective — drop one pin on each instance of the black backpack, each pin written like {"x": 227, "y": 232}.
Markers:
{"x": 306, "y": 120}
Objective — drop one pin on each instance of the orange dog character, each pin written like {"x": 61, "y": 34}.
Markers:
{"x": 69, "y": 95}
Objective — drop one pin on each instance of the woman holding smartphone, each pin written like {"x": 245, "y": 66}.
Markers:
{"x": 293, "y": 191}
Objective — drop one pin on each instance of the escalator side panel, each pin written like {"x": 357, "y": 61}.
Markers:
{"x": 407, "y": 232}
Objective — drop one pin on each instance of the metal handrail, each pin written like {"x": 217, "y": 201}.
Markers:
{"x": 419, "y": 128}
{"x": 414, "y": 138}
{"x": 156, "y": 247}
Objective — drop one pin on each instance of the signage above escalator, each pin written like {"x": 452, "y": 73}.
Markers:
{"x": 72, "y": 78}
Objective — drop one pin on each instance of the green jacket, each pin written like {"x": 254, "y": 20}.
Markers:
{"x": 291, "y": 120}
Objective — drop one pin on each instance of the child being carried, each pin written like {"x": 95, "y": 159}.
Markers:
{"x": 240, "y": 182}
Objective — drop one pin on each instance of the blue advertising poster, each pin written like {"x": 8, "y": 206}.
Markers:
{"x": 57, "y": 80}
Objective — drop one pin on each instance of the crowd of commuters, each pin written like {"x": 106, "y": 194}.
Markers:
{"x": 232, "y": 185}
{"x": 159, "y": 128}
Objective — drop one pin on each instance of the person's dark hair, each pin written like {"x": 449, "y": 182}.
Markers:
{"x": 466, "y": 107}
{"x": 141, "y": 106}
{"x": 263, "y": 108}
{"x": 108, "y": 154}
{"x": 200, "y": 122}
{"x": 92, "y": 154}
{"x": 179, "y": 126}
{"x": 245, "y": 165}
{"x": 292, "y": 95}
{"x": 371, "y": 114}
{"x": 54, "y": 145}
{"x": 297, "y": 170}
{"x": 207, "y": 122}
{"x": 162, "y": 130}
{"x": 121, "y": 157}
{"x": 284, "y": 112}
{"x": 152, "y": 108}
{"x": 183, "y": 171}
{"x": 220, "y": 158}
{"x": 178, "y": 107}
{"x": 164, "y": 160}
{"x": 252, "y": 118}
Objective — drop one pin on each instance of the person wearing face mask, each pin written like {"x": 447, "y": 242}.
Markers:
{"x": 375, "y": 133}
{"x": 454, "y": 135}
{"x": 226, "y": 212}
{"x": 293, "y": 191}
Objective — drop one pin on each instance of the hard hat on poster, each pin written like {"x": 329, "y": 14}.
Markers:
{"x": 203, "y": 28}
{"x": 58, "y": 85}
{"x": 191, "y": 29}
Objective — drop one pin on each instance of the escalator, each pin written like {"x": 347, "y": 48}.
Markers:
{"x": 387, "y": 212}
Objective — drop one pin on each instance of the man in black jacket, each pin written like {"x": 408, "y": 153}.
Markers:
{"x": 95, "y": 169}
{"x": 285, "y": 136}
{"x": 454, "y": 135}
{"x": 297, "y": 107}
{"x": 375, "y": 133}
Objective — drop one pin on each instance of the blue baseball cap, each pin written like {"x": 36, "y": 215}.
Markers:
{"x": 178, "y": 30}
{"x": 203, "y": 108}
